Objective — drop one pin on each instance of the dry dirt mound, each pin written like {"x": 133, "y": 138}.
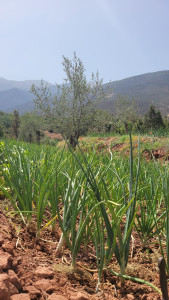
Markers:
{"x": 161, "y": 154}
{"x": 52, "y": 135}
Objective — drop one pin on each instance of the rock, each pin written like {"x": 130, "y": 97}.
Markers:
{"x": 20, "y": 297}
{"x": 13, "y": 290}
{"x": 151, "y": 296}
{"x": 44, "y": 272}
{"x": 107, "y": 296}
{"x": 62, "y": 281}
{"x": 72, "y": 297}
{"x": 8, "y": 248}
{"x": 4, "y": 287}
{"x": 130, "y": 297}
{"x": 33, "y": 292}
{"x": 20, "y": 272}
{"x": 45, "y": 285}
{"x": 56, "y": 297}
{"x": 82, "y": 296}
{"x": 5, "y": 260}
{"x": 13, "y": 278}
{"x": 16, "y": 262}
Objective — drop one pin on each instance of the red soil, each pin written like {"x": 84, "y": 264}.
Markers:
{"x": 30, "y": 269}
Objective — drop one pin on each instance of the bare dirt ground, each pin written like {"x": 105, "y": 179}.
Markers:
{"x": 30, "y": 269}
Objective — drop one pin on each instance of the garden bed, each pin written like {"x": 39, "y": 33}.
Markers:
{"x": 40, "y": 274}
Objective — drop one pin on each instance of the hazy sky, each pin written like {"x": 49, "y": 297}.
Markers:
{"x": 119, "y": 38}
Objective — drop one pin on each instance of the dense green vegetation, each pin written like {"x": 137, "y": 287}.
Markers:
{"x": 95, "y": 198}
{"x": 30, "y": 127}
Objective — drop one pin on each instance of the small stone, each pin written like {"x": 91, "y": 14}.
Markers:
{"x": 5, "y": 260}
{"x": 82, "y": 296}
{"x": 45, "y": 285}
{"x": 20, "y": 297}
{"x": 44, "y": 272}
{"x": 130, "y": 297}
{"x": 13, "y": 290}
{"x": 57, "y": 297}
{"x": 151, "y": 296}
{"x": 8, "y": 248}
{"x": 33, "y": 292}
{"x": 20, "y": 272}
{"x": 13, "y": 278}
{"x": 72, "y": 297}
{"x": 16, "y": 262}
{"x": 62, "y": 281}
{"x": 4, "y": 287}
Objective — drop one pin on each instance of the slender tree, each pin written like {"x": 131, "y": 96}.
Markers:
{"x": 16, "y": 123}
{"x": 74, "y": 106}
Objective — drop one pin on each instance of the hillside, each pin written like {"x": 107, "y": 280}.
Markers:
{"x": 147, "y": 89}
{"x": 13, "y": 98}
{"x": 16, "y": 95}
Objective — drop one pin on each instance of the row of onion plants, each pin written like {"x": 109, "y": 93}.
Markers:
{"x": 98, "y": 198}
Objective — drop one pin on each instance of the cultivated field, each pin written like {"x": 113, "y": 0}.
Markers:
{"x": 90, "y": 223}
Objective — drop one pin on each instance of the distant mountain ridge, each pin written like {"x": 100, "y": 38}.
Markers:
{"x": 25, "y": 85}
{"x": 147, "y": 89}
{"x": 17, "y": 95}
{"x": 14, "y": 97}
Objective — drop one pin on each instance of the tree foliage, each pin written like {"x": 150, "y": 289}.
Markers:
{"x": 5, "y": 122}
{"x": 126, "y": 111}
{"x": 102, "y": 121}
{"x": 153, "y": 119}
{"x": 31, "y": 125}
{"x": 73, "y": 107}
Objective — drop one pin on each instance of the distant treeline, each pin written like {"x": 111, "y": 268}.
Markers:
{"x": 31, "y": 126}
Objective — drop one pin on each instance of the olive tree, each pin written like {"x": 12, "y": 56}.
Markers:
{"x": 31, "y": 126}
{"x": 126, "y": 111}
{"x": 73, "y": 107}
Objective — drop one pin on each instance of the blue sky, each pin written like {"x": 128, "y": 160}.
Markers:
{"x": 119, "y": 38}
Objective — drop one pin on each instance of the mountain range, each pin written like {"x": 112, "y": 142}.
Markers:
{"x": 146, "y": 89}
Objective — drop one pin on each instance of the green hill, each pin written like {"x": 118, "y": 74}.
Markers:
{"x": 146, "y": 89}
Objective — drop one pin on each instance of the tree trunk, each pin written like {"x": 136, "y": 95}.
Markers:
{"x": 38, "y": 136}
{"x": 73, "y": 140}
{"x": 126, "y": 126}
